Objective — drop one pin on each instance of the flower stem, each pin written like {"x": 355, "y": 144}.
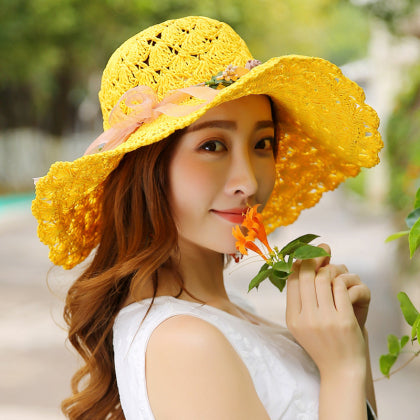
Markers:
{"x": 397, "y": 370}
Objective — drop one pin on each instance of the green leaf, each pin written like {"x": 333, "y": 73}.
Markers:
{"x": 412, "y": 218}
{"x": 393, "y": 344}
{"x": 414, "y": 238}
{"x": 407, "y": 308}
{"x": 281, "y": 266}
{"x": 418, "y": 328}
{"x": 415, "y": 331}
{"x": 281, "y": 274}
{"x": 404, "y": 340}
{"x": 263, "y": 267}
{"x": 279, "y": 282}
{"x": 397, "y": 235}
{"x": 417, "y": 200}
{"x": 290, "y": 263}
{"x": 255, "y": 282}
{"x": 385, "y": 363}
{"x": 296, "y": 243}
{"x": 309, "y": 251}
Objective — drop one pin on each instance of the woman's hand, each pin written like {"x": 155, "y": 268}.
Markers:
{"x": 326, "y": 311}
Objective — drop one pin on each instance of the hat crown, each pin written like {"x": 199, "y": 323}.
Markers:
{"x": 172, "y": 55}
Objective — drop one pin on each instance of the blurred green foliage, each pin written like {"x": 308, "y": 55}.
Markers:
{"x": 50, "y": 49}
{"x": 403, "y": 136}
{"x": 391, "y": 12}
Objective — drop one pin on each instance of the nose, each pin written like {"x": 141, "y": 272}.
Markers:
{"x": 241, "y": 180}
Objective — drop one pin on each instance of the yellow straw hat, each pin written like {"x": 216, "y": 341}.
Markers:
{"x": 328, "y": 132}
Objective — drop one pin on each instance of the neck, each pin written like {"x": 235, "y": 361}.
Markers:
{"x": 202, "y": 272}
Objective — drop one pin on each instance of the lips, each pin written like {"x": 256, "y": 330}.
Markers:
{"x": 236, "y": 215}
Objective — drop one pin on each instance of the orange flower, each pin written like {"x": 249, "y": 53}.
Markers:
{"x": 255, "y": 229}
{"x": 246, "y": 242}
{"x": 253, "y": 222}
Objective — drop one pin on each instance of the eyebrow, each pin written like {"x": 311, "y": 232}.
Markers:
{"x": 264, "y": 124}
{"x": 227, "y": 125}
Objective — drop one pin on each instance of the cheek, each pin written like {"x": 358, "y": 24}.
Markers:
{"x": 190, "y": 186}
{"x": 268, "y": 179}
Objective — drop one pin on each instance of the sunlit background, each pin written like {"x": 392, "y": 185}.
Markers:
{"x": 52, "y": 55}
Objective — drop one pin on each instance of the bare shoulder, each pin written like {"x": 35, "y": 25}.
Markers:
{"x": 192, "y": 371}
{"x": 186, "y": 330}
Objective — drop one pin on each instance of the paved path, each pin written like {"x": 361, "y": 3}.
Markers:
{"x": 35, "y": 366}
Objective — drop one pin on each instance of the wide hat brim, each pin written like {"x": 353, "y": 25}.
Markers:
{"x": 328, "y": 134}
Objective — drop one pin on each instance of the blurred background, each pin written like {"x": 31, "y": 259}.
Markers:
{"x": 52, "y": 55}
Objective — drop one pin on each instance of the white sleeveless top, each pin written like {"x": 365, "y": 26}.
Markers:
{"x": 285, "y": 378}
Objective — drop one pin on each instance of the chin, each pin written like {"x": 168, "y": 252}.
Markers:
{"x": 229, "y": 249}
{"x": 222, "y": 247}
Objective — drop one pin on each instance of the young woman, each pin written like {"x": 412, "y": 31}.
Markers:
{"x": 196, "y": 132}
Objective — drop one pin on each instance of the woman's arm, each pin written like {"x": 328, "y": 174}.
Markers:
{"x": 370, "y": 391}
{"x": 320, "y": 315}
{"x": 359, "y": 295}
{"x": 343, "y": 396}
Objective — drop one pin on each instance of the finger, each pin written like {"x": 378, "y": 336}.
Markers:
{"x": 307, "y": 284}
{"x": 341, "y": 297}
{"x": 358, "y": 292}
{"x": 323, "y": 286}
{"x": 337, "y": 269}
{"x": 350, "y": 279}
{"x": 293, "y": 301}
{"x": 322, "y": 261}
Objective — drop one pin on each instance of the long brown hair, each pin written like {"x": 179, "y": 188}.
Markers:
{"x": 138, "y": 236}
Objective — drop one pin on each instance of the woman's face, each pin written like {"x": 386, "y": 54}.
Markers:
{"x": 222, "y": 163}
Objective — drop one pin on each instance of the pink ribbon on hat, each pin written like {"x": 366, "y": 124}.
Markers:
{"x": 145, "y": 107}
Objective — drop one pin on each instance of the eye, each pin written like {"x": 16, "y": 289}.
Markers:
{"x": 265, "y": 144}
{"x": 213, "y": 146}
